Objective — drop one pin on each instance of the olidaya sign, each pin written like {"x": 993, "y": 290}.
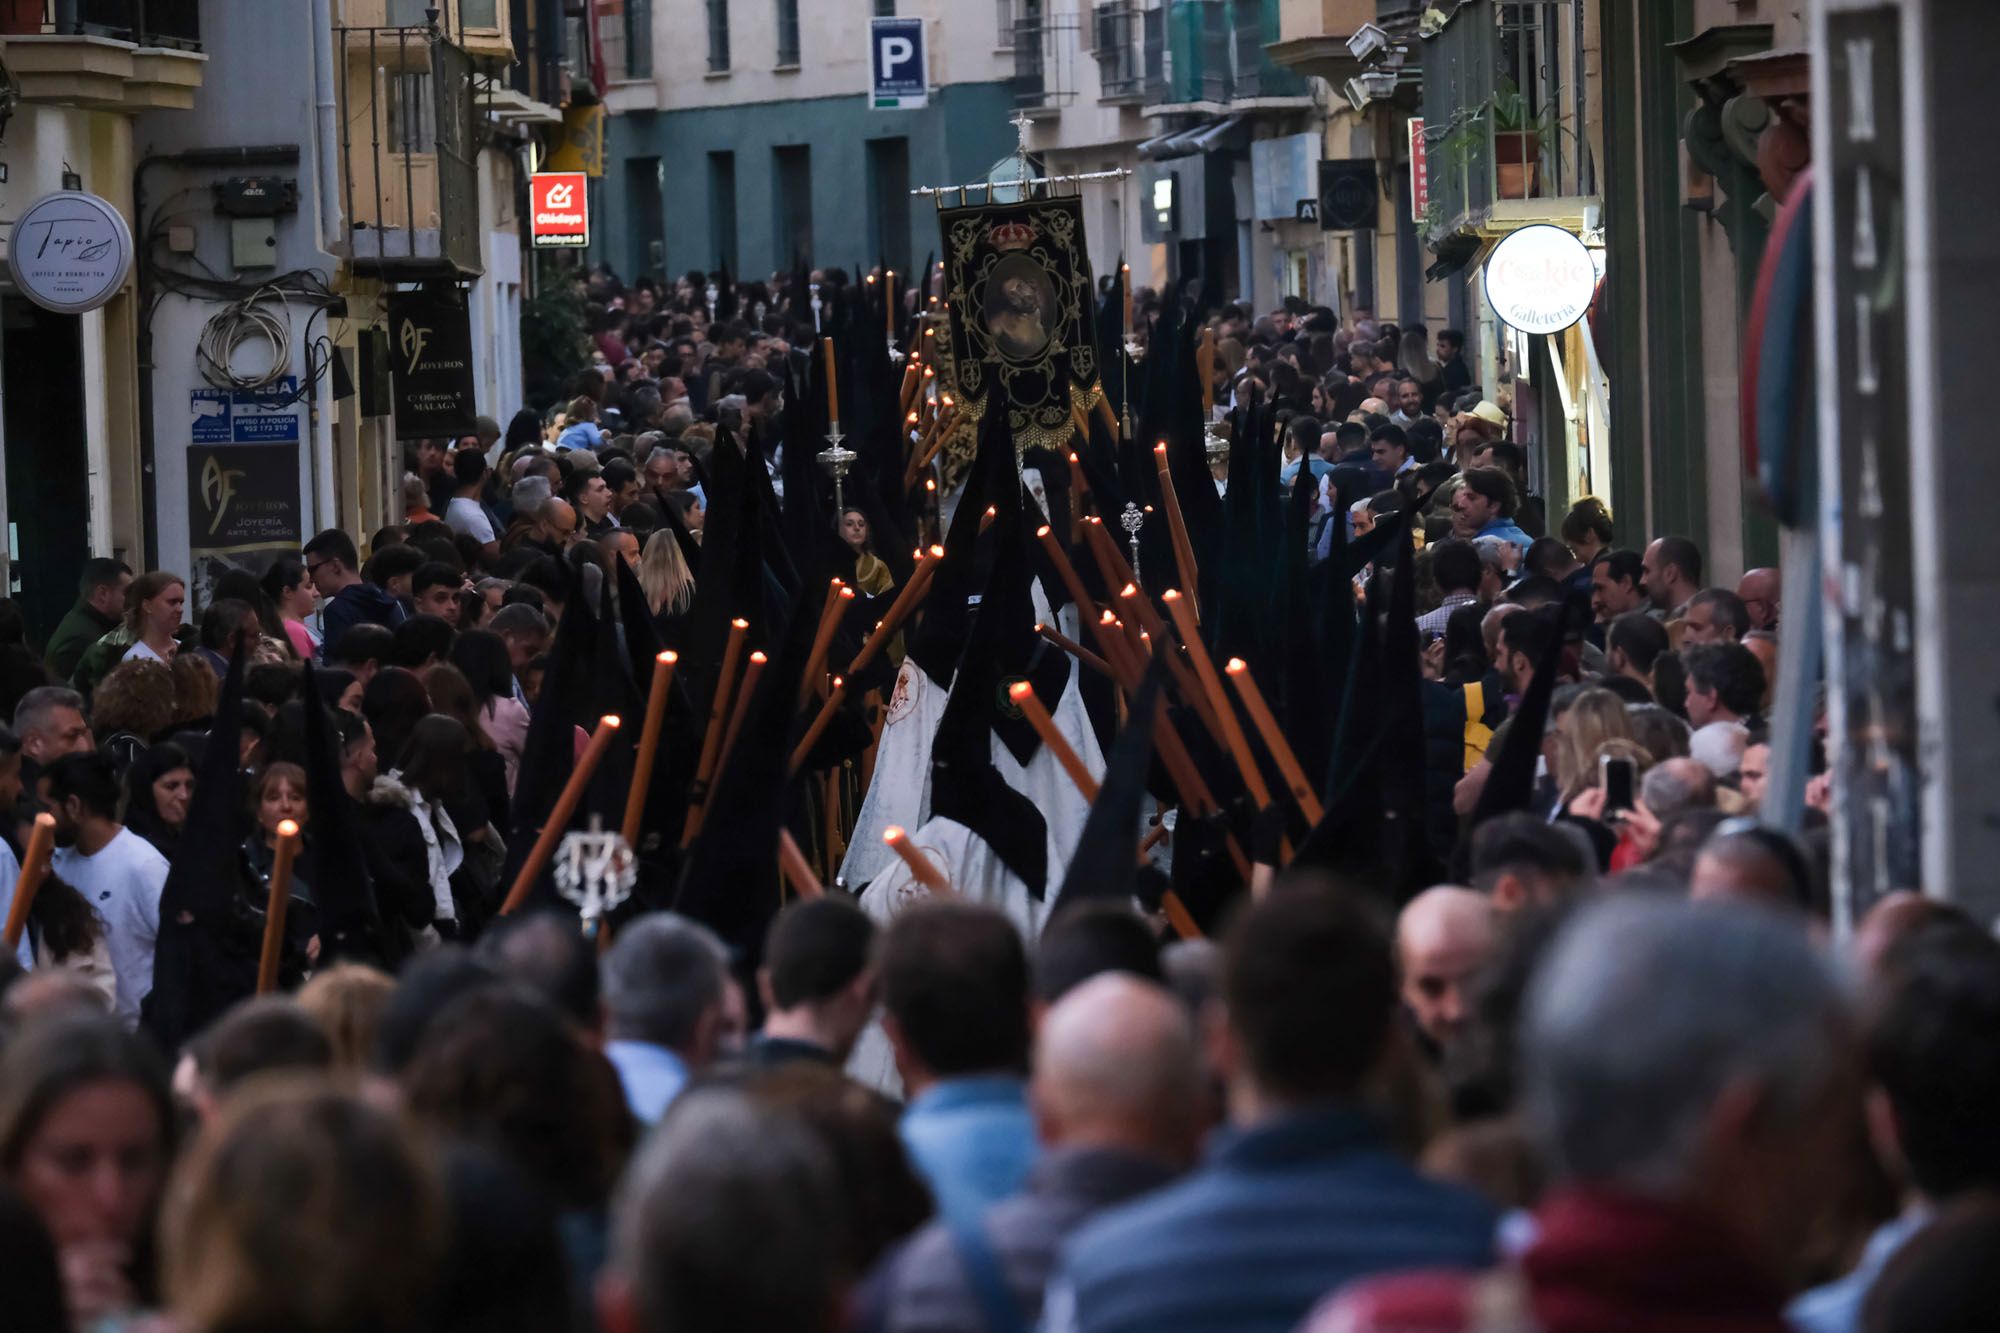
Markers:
{"x": 559, "y": 208}
{"x": 70, "y": 252}
{"x": 1540, "y": 279}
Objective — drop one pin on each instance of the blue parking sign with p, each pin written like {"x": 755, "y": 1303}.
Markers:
{"x": 898, "y": 75}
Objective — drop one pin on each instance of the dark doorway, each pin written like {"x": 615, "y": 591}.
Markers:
{"x": 646, "y": 217}
{"x": 722, "y": 211}
{"x": 792, "y": 231}
{"x": 48, "y": 497}
{"x": 889, "y": 201}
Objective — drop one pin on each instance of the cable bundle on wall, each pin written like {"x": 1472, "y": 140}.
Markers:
{"x": 241, "y": 322}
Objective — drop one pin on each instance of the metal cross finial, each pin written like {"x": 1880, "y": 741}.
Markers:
{"x": 596, "y": 871}
{"x": 1022, "y": 123}
{"x": 1132, "y": 520}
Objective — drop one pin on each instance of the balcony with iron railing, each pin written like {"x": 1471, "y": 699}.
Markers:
{"x": 1503, "y": 101}
{"x": 1216, "y": 55}
{"x": 1044, "y": 47}
{"x": 1119, "y": 43}
{"x": 408, "y": 153}
{"x": 110, "y": 55}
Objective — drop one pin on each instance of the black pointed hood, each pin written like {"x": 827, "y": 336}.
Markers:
{"x": 192, "y": 981}
{"x": 1106, "y": 863}
{"x": 334, "y": 864}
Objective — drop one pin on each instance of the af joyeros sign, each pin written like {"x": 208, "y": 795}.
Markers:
{"x": 559, "y": 209}
{"x": 1540, "y": 279}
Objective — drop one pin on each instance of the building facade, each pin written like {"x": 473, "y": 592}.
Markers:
{"x": 75, "y": 80}
{"x": 237, "y": 395}
{"x": 741, "y": 136}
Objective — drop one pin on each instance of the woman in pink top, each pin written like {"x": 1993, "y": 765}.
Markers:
{"x": 285, "y": 584}
{"x": 482, "y": 656}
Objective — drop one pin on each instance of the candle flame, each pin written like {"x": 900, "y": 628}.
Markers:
{"x": 288, "y": 828}
{"x": 1236, "y": 666}
{"x": 893, "y": 835}
{"x": 1020, "y": 689}
{"x": 758, "y": 658}
{"x": 610, "y": 720}
{"x": 667, "y": 658}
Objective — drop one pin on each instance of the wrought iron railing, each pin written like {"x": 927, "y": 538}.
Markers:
{"x": 175, "y": 23}
{"x": 1045, "y": 49}
{"x": 1213, "y": 51}
{"x": 409, "y": 155}
{"x": 1120, "y": 41}
{"x": 1504, "y": 93}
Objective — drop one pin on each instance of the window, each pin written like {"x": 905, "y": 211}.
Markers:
{"x": 412, "y": 119}
{"x": 718, "y": 35}
{"x": 481, "y": 14}
{"x": 638, "y": 20}
{"x": 1005, "y": 17}
{"x": 410, "y": 13}
{"x": 788, "y": 32}
{"x": 885, "y": 9}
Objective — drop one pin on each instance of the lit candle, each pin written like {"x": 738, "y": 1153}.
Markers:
{"x": 1125, "y": 281}
{"x": 889, "y": 300}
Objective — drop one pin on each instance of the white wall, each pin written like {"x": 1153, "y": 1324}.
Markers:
{"x": 833, "y": 49}
{"x": 259, "y": 91}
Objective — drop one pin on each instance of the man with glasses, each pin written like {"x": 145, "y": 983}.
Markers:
{"x": 346, "y": 599}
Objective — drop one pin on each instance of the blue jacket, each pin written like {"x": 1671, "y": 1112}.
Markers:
{"x": 1507, "y": 530}
{"x": 357, "y": 604}
{"x": 1279, "y": 1216}
{"x": 973, "y": 1141}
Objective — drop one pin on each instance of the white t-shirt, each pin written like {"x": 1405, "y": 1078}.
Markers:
{"x": 464, "y": 515}
{"x": 122, "y": 884}
{"x": 140, "y": 652}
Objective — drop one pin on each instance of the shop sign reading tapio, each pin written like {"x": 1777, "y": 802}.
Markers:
{"x": 70, "y": 252}
{"x": 1540, "y": 279}
{"x": 559, "y": 208}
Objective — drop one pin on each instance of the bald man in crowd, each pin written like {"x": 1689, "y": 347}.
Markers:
{"x": 1760, "y": 591}
{"x": 1119, "y": 1107}
{"x": 1444, "y": 936}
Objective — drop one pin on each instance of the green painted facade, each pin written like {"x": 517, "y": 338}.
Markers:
{"x": 667, "y": 175}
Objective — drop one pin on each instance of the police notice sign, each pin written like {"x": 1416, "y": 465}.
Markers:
{"x": 559, "y": 208}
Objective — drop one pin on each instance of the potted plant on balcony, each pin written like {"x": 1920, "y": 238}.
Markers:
{"x": 1517, "y": 140}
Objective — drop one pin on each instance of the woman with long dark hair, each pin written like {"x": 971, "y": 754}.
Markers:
{"x": 430, "y": 775}
{"x": 86, "y": 1134}
{"x": 158, "y": 788}
{"x": 290, "y": 595}
{"x": 482, "y": 656}
{"x": 394, "y": 701}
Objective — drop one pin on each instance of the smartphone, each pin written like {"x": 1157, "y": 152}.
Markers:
{"x": 1618, "y": 776}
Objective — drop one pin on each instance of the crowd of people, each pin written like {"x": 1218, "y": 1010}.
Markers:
{"x": 1611, "y": 1070}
